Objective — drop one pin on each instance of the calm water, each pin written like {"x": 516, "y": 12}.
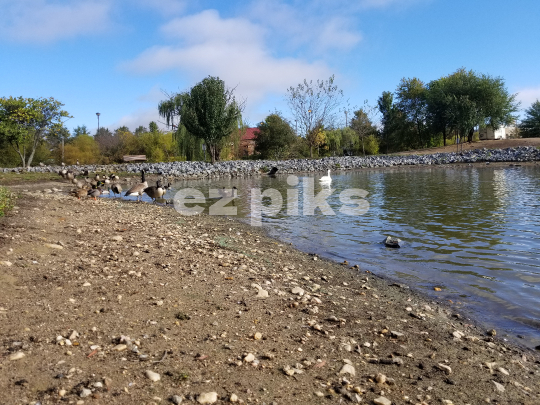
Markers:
{"x": 473, "y": 231}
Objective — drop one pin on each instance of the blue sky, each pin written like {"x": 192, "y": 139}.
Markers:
{"x": 117, "y": 57}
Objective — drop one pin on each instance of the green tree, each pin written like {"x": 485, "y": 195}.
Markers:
{"x": 211, "y": 113}
{"x": 80, "y": 130}
{"x": 314, "y": 105}
{"x": 530, "y": 126}
{"x": 476, "y": 100}
{"x": 362, "y": 124}
{"x": 24, "y": 123}
{"x": 275, "y": 137}
{"x": 411, "y": 97}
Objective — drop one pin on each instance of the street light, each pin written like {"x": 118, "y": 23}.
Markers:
{"x": 98, "y": 114}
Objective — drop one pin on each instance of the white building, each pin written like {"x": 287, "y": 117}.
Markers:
{"x": 488, "y": 133}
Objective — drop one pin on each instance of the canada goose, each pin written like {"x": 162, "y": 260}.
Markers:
{"x": 228, "y": 193}
{"x": 70, "y": 175}
{"x": 94, "y": 192}
{"x": 114, "y": 177}
{"x": 63, "y": 173}
{"x": 155, "y": 192}
{"x": 81, "y": 192}
{"x": 116, "y": 189}
{"x": 85, "y": 173}
{"x": 272, "y": 171}
{"x": 326, "y": 179}
{"x": 138, "y": 189}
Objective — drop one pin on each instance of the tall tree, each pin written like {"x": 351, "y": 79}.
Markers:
{"x": 211, "y": 113}
{"x": 274, "y": 138}
{"x": 476, "y": 101}
{"x": 80, "y": 130}
{"x": 362, "y": 124}
{"x": 314, "y": 105}
{"x": 411, "y": 97}
{"x": 24, "y": 123}
{"x": 530, "y": 126}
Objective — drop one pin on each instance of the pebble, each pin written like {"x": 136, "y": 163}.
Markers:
{"x": 152, "y": 376}
{"x": 233, "y": 398}
{"x": 117, "y": 238}
{"x": 16, "y": 356}
{"x": 120, "y": 347}
{"x": 498, "y": 387}
{"x": 207, "y": 398}
{"x": 249, "y": 358}
{"x": 85, "y": 392}
{"x": 6, "y": 263}
{"x": 257, "y": 336}
{"x": 262, "y": 294}
{"x": 444, "y": 368}
{"x": 503, "y": 370}
{"x": 298, "y": 291}
{"x": 348, "y": 369}
{"x": 177, "y": 399}
{"x": 380, "y": 378}
{"x": 382, "y": 401}
{"x": 53, "y": 246}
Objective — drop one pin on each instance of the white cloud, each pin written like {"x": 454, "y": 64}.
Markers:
{"x": 528, "y": 96}
{"x": 46, "y": 21}
{"x": 233, "y": 49}
{"x": 320, "y": 27}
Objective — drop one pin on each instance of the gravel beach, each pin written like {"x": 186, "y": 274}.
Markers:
{"x": 115, "y": 302}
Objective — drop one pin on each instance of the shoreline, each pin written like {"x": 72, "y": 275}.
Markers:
{"x": 207, "y": 286}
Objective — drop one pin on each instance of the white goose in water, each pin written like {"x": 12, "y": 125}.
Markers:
{"x": 326, "y": 179}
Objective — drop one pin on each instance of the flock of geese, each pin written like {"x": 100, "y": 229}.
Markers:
{"x": 92, "y": 187}
{"x": 103, "y": 184}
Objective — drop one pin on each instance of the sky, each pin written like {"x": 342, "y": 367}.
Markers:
{"x": 122, "y": 57}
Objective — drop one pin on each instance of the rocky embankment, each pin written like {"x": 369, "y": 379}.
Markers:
{"x": 244, "y": 168}
{"x": 111, "y": 302}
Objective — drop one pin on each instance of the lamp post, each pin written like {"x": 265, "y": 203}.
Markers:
{"x": 98, "y": 114}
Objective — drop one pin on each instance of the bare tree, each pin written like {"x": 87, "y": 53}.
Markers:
{"x": 314, "y": 105}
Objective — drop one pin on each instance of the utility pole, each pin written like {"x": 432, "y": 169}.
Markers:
{"x": 346, "y": 121}
{"x": 98, "y": 114}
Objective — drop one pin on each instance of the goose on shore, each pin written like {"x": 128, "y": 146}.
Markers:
{"x": 272, "y": 171}
{"x": 155, "y": 192}
{"x": 116, "y": 189}
{"x": 138, "y": 189}
{"x": 326, "y": 179}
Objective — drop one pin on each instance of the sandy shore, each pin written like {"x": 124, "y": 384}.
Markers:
{"x": 112, "y": 302}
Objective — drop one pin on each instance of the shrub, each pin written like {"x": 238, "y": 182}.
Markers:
{"x": 6, "y": 201}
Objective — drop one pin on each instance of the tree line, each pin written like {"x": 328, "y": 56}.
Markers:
{"x": 205, "y": 123}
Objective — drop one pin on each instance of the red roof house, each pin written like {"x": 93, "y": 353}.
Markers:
{"x": 247, "y": 142}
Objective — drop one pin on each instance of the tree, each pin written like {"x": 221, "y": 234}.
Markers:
{"x": 411, "y": 97}
{"x": 80, "y": 130}
{"x": 471, "y": 100}
{"x": 211, "y": 113}
{"x": 314, "y": 105}
{"x": 530, "y": 126}
{"x": 274, "y": 138}
{"x": 362, "y": 124}
{"x": 24, "y": 122}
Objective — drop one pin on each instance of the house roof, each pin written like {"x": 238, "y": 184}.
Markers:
{"x": 251, "y": 133}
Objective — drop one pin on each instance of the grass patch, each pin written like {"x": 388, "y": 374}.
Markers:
{"x": 26, "y": 177}
{"x": 6, "y": 201}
